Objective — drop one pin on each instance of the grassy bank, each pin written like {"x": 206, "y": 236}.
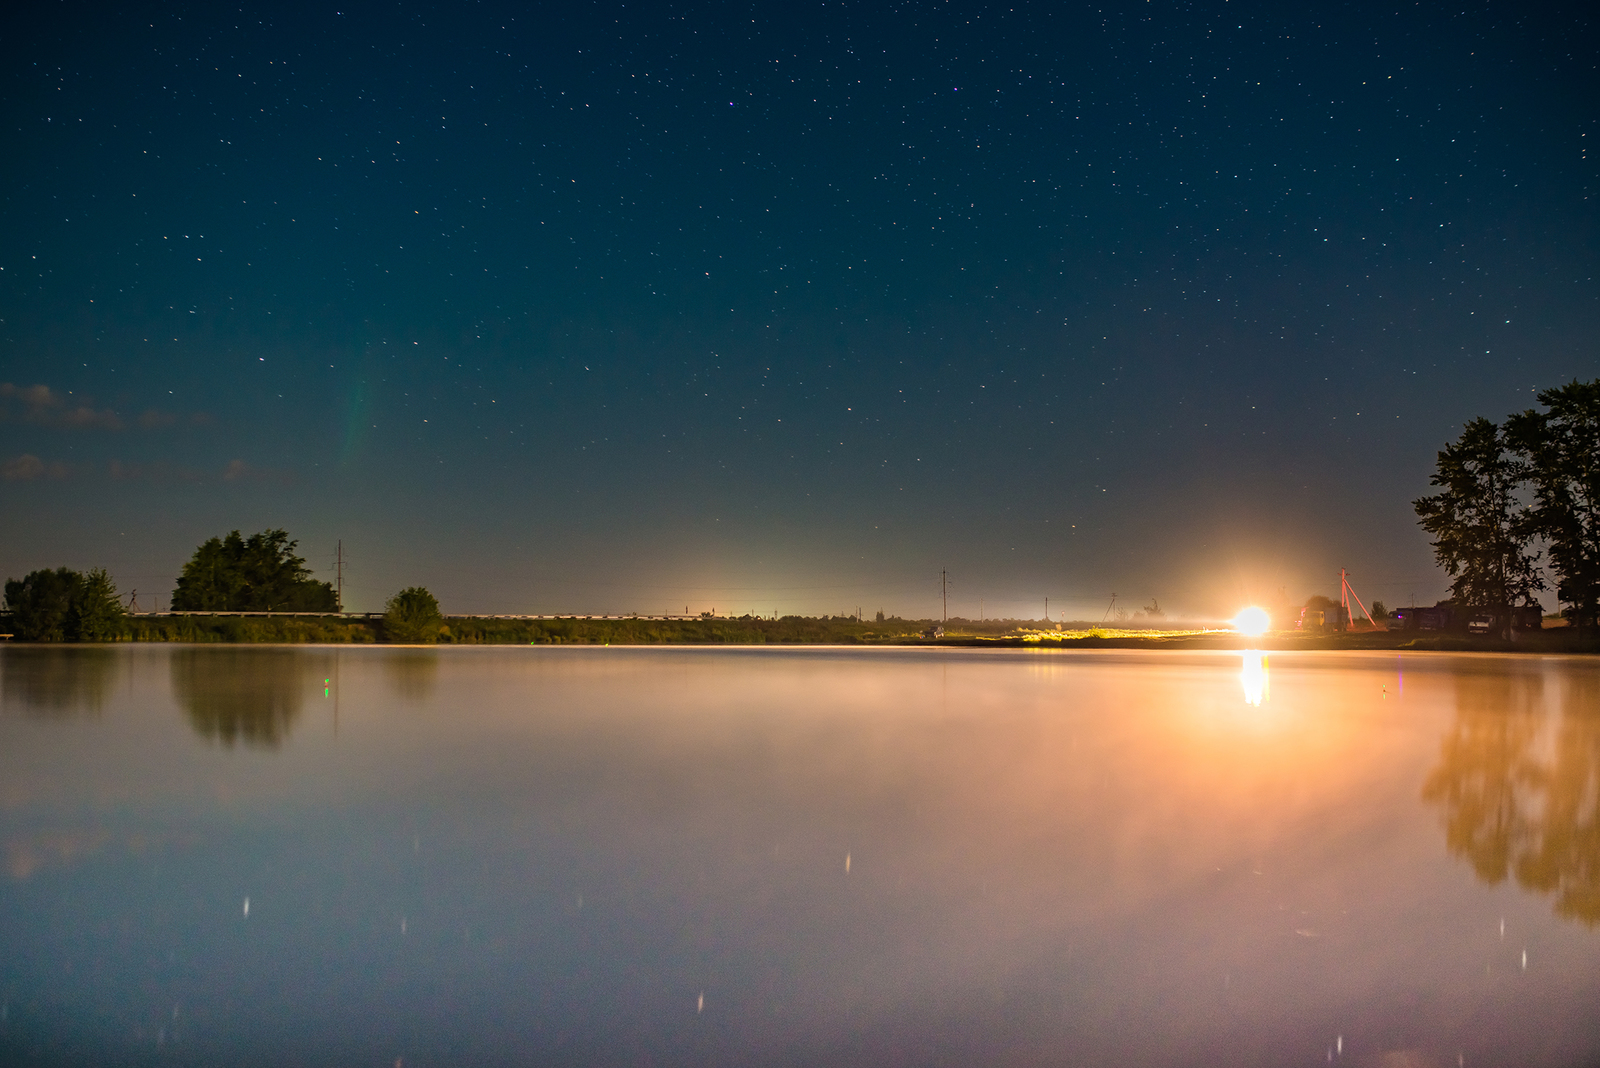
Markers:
{"x": 811, "y": 630}
{"x": 484, "y": 630}
{"x": 274, "y": 629}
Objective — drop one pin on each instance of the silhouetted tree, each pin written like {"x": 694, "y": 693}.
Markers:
{"x": 64, "y": 605}
{"x": 412, "y": 615}
{"x": 255, "y": 574}
{"x": 1562, "y": 445}
{"x": 95, "y": 614}
{"x": 1481, "y": 530}
{"x": 39, "y": 604}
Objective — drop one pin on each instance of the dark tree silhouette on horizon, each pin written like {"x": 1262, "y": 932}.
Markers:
{"x": 1482, "y": 531}
{"x": 260, "y": 573}
{"x": 1562, "y": 445}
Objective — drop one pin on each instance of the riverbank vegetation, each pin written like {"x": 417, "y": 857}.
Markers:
{"x": 64, "y": 606}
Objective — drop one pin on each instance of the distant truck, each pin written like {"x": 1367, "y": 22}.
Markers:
{"x": 1325, "y": 620}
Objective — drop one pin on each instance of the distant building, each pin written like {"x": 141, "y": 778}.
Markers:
{"x": 1447, "y": 616}
{"x": 1441, "y": 616}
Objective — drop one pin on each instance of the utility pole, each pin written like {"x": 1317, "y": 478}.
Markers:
{"x": 1346, "y": 592}
{"x": 1047, "y": 609}
{"x": 339, "y": 576}
{"x": 944, "y": 593}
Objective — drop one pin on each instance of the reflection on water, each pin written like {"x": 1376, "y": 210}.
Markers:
{"x": 57, "y": 681}
{"x": 413, "y": 673}
{"x": 1253, "y": 677}
{"x": 795, "y": 857}
{"x": 25, "y": 855}
{"x": 248, "y": 695}
{"x": 1519, "y": 787}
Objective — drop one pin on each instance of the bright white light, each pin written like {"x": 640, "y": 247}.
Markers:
{"x": 1253, "y": 676}
{"x": 1252, "y": 621}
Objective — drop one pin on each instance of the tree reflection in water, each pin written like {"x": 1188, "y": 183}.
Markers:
{"x": 1520, "y": 790}
{"x": 249, "y": 695}
{"x": 412, "y": 673}
{"x": 60, "y": 681}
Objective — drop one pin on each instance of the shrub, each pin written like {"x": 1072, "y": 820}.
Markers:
{"x": 412, "y": 615}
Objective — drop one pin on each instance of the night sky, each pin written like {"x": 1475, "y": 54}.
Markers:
{"x": 782, "y": 307}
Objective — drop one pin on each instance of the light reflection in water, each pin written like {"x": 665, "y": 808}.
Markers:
{"x": 1095, "y": 859}
{"x": 1253, "y": 677}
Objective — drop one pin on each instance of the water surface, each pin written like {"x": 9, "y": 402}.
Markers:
{"x": 234, "y": 855}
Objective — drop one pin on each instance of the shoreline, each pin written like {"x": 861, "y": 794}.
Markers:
{"x": 309, "y": 629}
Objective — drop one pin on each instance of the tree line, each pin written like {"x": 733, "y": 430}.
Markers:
{"x": 1515, "y": 499}
{"x": 1518, "y": 498}
{"x": 230, "y": 573}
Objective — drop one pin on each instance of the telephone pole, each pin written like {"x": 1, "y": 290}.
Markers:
{"x": 339, "y": 576}
{"x": 944, "y": 593}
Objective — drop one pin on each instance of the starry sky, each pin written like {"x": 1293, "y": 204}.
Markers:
{"x": 605, "y": 307}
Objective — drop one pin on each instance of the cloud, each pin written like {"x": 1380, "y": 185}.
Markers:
{"x": 33, "y": 396}
{"x": 239, "y": 471}
{"x": 160, "y": 471}
{"x": 23, "y": 469}
{"x": 87, "y": 417}
{"x": 152, "y": 419}
{"x": 28, "y": 467}
{"x": 41, "y": 404}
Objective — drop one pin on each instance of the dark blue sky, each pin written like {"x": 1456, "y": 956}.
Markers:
{"x": 615, "y": 307}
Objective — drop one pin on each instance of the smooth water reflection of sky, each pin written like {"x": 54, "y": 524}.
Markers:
{"x": 695, "y": 856}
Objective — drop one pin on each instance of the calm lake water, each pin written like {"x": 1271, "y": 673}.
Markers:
{"x": 671, "y": 856}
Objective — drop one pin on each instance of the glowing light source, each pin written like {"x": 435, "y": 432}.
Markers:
{"x": 1252, "y": 621}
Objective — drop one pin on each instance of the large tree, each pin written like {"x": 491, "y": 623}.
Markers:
{"x": 64, "y": 605}
{"x": 1562, "y": 445}
{"x": 1480, "y": 527}
{"x": 260, "y": 573}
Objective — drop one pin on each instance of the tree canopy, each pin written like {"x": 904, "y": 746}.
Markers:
{"x": 65, "y": 605}
{"x": 1508, "y": 492}
{"x": 1563, "y": 449}
{"x": 260, "y": 573}
{"x": 412, "y": 615}
{"x": 1481, "y": 534}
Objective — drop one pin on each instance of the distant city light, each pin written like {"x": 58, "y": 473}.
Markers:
{"x": 1252, "y": 621}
